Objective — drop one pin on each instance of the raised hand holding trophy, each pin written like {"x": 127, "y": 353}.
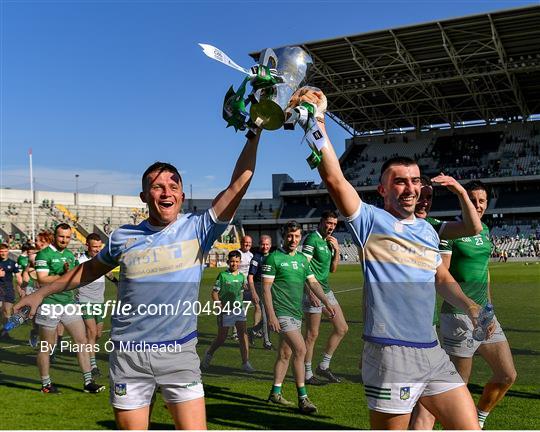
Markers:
{"x": 274, "y": 80}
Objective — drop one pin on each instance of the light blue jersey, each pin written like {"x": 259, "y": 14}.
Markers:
{"x": 400, "y": 258}
{"x": 160, "y": 267}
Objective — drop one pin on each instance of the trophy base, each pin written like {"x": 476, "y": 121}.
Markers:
{"x": 267, "y": 115}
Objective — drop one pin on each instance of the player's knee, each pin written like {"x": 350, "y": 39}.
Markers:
{"x": 285, "y": 355}
{"x": 342, "y": 329}
{"x": 300, "y": 352}
{"x": 312, "y": 335}
{"x": 509, "y": 377}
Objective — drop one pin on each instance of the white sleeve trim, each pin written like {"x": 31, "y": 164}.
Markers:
{"x": 355, "y": 214}
{"x": 445, "y": 252}
{"x": 215, "y": 219}
{"x": 310, "y": 277}
{"x": 42, "y": 271}
{"x": 268, "y": 277}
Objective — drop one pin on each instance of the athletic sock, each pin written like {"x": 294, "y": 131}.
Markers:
{"x": 309, "y": 372}
{"x": 325, "y": 364}
{"x": 87, "y": 377}
{"x": 302, "y": 392}
{"x": 45, "y": 380}
{"x": 276, "y": 389}
{"x": 93, "y": 362}
{"x": 482, "y": 416}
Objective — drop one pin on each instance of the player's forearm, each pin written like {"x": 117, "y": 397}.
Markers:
{"x": 316, "y": 289}
{"x": 215, "y": 296}
{"x": 251, "y": 283}
{"x": 449, "y": 290}
{"x": 335, "y": 262}
{"x": 267, "y": 294}
{"x": 342, "y": 192}
{"x": 471, "y": 220}
{"x": 226, "y": 203}
{"x": 68, "y": 281}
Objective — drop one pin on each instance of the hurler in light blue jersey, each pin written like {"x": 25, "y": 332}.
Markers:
{"x": 401, "y": 361}
{"x": 160, "y": 267}
{"x": 400, "y": 259}
{"x": 161, "y": 262}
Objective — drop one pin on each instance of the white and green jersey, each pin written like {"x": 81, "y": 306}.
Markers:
{"x": 94, "y": 292}
{"x": 50, "y": 261}
{"x": 230, "y": 288}
{"x": 469, "y": 266}
{"x": 289, "y": 273}
{"x": 321, "y": 254}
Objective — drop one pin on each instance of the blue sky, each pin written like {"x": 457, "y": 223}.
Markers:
{"x": 104, "y": 88}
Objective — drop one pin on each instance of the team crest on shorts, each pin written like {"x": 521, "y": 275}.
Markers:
{"x": 120, "y": 389}
{"x": 404, "y": 393}
{"x": 470, "y": 343}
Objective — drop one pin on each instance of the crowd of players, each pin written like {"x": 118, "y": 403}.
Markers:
{"x": 404, "y": 367}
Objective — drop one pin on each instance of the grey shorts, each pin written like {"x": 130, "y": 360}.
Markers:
{"x": 456, "y": 335}
{"x": 134, "y": 376}
{"x": 395, "y": 377}
{"x": 52, "y": 321}
{"x": 308, "y": 308}
{"x": 288, "y": 324}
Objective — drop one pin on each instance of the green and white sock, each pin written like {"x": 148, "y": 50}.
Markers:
{"x": 325, "y": 364}
{"x": 45, "y": 380}
{"x": 276, "y": 389}
{"x": 93, "y": 362}
{"x": 87, "y": 377}
{"x": 482, "y": 416}
{"x": 309, "y": 372}
{"x": 302, "y": 392}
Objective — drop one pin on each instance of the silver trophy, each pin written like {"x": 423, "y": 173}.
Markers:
{"x": 278, "y": 74}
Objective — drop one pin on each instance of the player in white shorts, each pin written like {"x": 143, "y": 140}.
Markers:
{"x": 402, "y": 269}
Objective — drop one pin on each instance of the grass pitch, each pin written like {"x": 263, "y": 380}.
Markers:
{"x": 236, "y": 400}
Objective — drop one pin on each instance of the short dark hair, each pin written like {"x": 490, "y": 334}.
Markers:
{"x": 425, "y": 180}
{"x": 160, "y": 167}
{"x": 63, "y": 226}
{"x": 27, "y": 246}
{"x": 328, "y": 214}
{"x": 290, "y": 226}
{"x": 234, "y": 254}
{"x": 93, "y": 236}
{"x": 475, "y": 185}
{"x": 4, "y": 246}
{"x": 398, "y": 160}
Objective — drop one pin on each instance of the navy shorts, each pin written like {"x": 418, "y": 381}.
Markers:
{"x": 7, "y": 295}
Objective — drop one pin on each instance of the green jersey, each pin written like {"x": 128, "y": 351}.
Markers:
{"x": 22, "y": 262}
{"x": 288, "y": 273}
{"x": 469, "y": 266}
{"x": 50, "y": 261}
{"x": 320, "y": 253}
{"x": 230, "y": 288}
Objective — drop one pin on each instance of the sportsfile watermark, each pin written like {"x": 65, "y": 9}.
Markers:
{"x": 119, "y": 308}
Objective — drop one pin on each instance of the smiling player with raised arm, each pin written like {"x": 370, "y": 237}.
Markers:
{"x": 161, "y": 262}
{"x": 402, "y": 361}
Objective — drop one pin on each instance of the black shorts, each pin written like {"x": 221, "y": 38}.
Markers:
{"x": 7, "y": 295}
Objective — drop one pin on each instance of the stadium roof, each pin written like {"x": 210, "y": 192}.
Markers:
{"x": 481, "y": 67}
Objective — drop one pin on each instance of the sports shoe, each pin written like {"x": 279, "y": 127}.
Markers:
{"x": 278, "y": 399}
{"x": 251, "y": 336}
{"x": 96, "y": 372}
{"x": 49, "y": 388}
{"x": 306, "y": 406}
{"x": 327, "y": 373}
{"x": 205, "y": 364}
{"x": 268, "y": 346}
{"x": 314, "y": 381}
{"x": 246, "y": 367}
{"x": 92, "y": 387}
